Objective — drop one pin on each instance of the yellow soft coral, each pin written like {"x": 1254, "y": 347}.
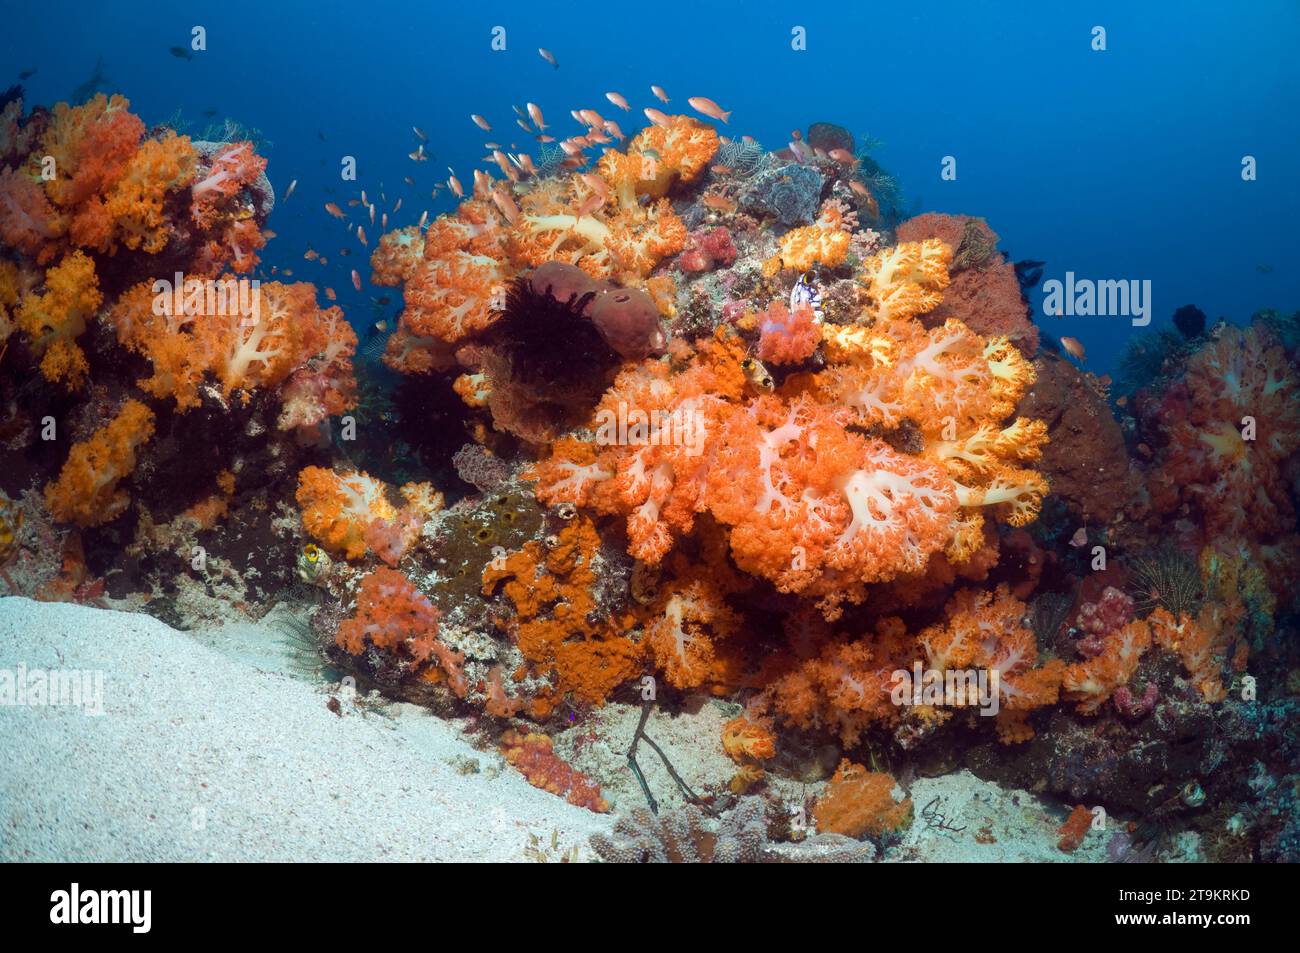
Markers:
{"x": 907, "y": 279}
{"x": 657, "y": 157}
{"x": 52, "y": 321}
{"x": 86, "y": 492}
{"x": 825, "y": 242}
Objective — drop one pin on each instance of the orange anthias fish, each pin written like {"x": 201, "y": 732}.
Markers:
{"x": 548, "y": 56}
{"x": 361, "y": 235}
{"x": 480, "y": 122}
{"x": 356, "y": 279}
{"x": 289, "y": 191}
{"x": 656, "y": 117}
{"x": 334, "y": 210}
{"x": 453, "y": 183}
{"x": 659, "y": 93}
{"x": 709, "y": 108}
{"x": 1075, "y": 349}
{"x": 329, "y": 293}
{"x": 506, "y": 204}
{"x": 618, "y": 100}
{"x": 719, "y": 203}
{"x": 535, "y": 113}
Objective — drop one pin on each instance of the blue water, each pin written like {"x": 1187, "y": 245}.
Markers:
{"x": 1117, "y": 164}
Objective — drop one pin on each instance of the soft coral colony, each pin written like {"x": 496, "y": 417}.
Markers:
{"x": 727, "y": 424}
{"x": 99, "y": 214}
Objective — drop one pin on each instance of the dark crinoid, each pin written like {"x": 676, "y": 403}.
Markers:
{"x": 546, "y": 363}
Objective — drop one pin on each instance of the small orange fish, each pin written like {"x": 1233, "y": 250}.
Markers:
{"x": 709, "y": 108}
{"x": 591, "y": 117}
{"x": 659, "y": 93}
{"x": 656, "y": 117}
{"x": 571, "y": 148}
{"x": 611, "y": 127}
{"x": 268, "y": 234}
{"x": 548, "y": 56}
{"x": 591, "y": 204}
{"x": 356, "y": 279}
{"x": 524, "y": 126}
{"x": 535, "y": 113}
{"x": 480, "y": 122}
{"x": 329, "y": 293}
{"x": 843, "y": 156}
{"x": 398, "y": 207}
{"x": 361, "y": 236}
{"x": 364, "y": 200}
{"x": 618, "y": 100}
{"x": 311, "y": 254}
{"x": 506, "y": 204}
{"x": 718, "y": 203}
{"x": 420, "y": 133}
{"x": 289, "y": 191}
{"x": 372, "y": 213}
{"x": 453, "y": 183}
{"x": 383, "y": 222}
{"x": 323, "y": 260}
{"x": 334, "y": 210}
{"x": 1075, "y": 349}
{"x": 544, "y": 138}
{"x": 595, "y": 183}
{"x": 353, "y": 203}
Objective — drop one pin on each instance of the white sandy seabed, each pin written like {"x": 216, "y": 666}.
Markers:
{"x": 207, "y": 754}
{"x": 213, "y": 747}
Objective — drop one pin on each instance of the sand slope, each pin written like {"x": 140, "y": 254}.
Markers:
{"x": 210, "y": 752}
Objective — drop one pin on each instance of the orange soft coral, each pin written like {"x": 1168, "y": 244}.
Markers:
{"x": 861, "y": 803}
{"x": 689, "y": 622}
{"x": 52, "y": 321}
{"x": 534, "y": 755}
{"x": 744, "y": 740}
{"x": 1092, "y": 682}
{"x": 1202, "y": 643}
{"x": 132, "y": 211}
{"x": 987, "y": 630}
{"x": 395, "y": 618}
{"x": 275, "y": 336}
{"x": 815, "y": 507}
{"x": 338, "y": 508}
{"x": 87, "y": 492}
{"x": 825, "y": 242}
